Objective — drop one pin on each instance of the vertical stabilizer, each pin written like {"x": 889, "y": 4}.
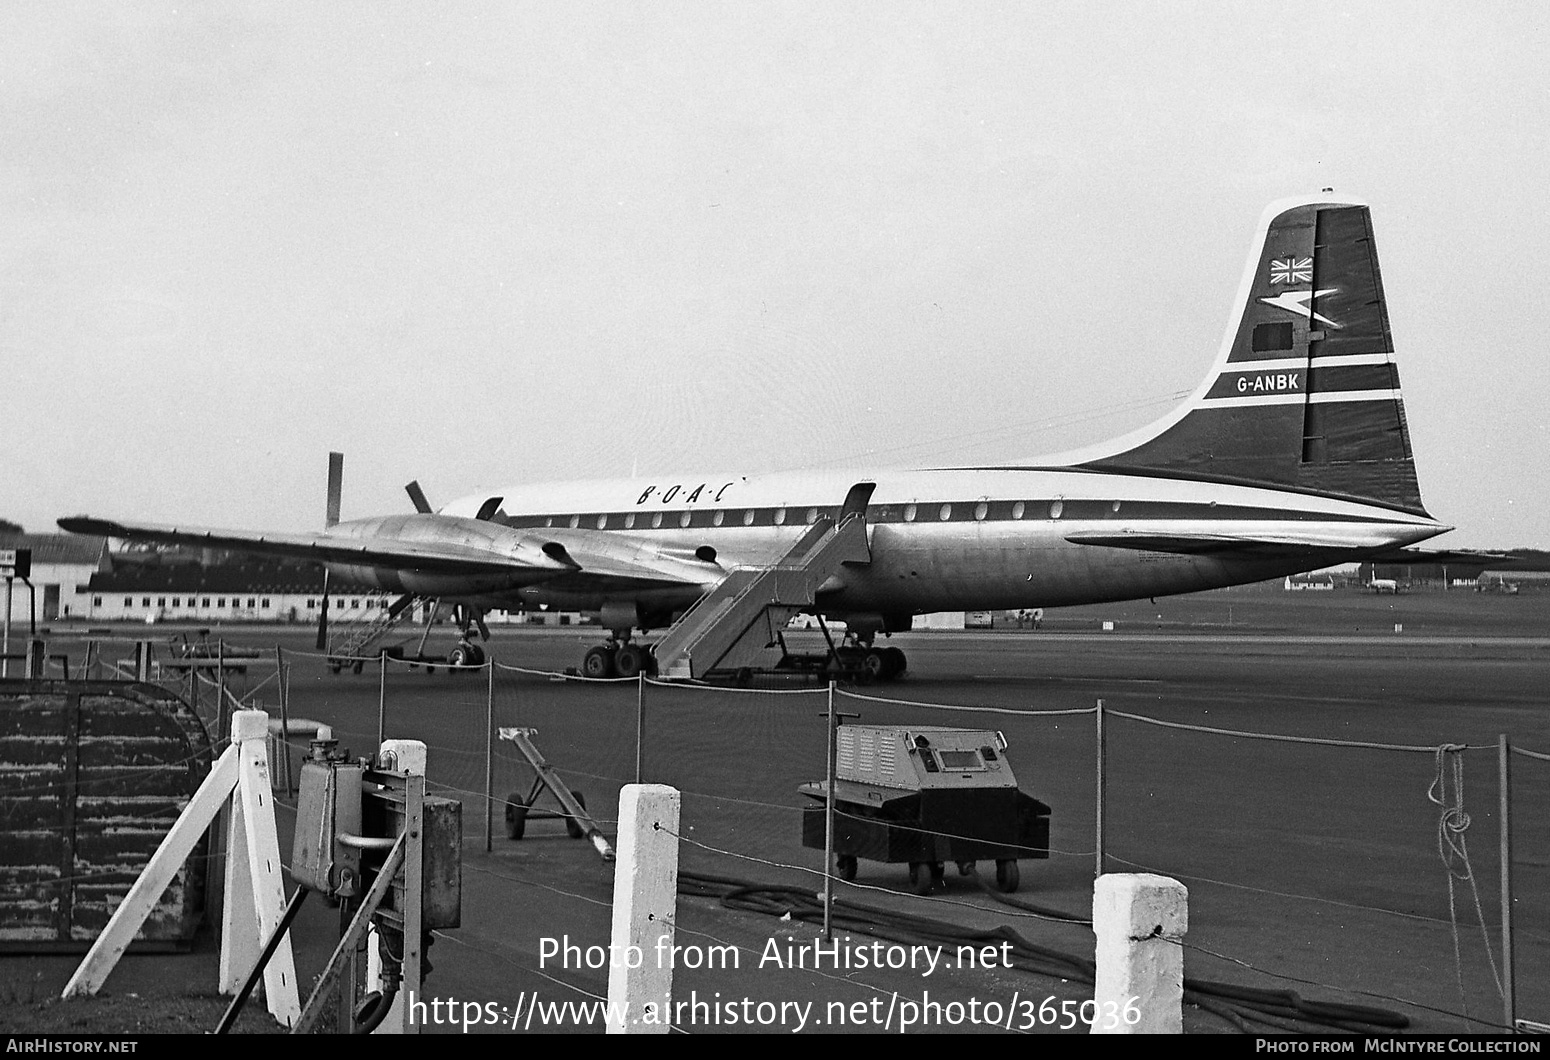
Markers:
{"x": 1304, "y": 394}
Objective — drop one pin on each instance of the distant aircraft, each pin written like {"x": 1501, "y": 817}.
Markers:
{"x": 1292, "y": 455}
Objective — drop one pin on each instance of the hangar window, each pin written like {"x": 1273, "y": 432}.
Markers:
{"x": 96, "y": 601}
{"x": 145, "y": 601}
{"x": 780, "y": 516}
{"x": 981, "y": 510}
{"x": 575, "y": 521}
{"x": 251, "y": 601}
{"x": 311, "y": 603}
{"x": 748, "y": 517}
{"x": 718, "y": 518}
{"x": 683, "y": 520}
{"x": 206, "y": 602}
{"x": 909, "y": 513}
{"x": 220, "y": 601}
{"x": 1272, "y": 337}
{"x": 161, "y": 601}
{"x": 1056, "y": 508}
{"x": 1018, "y": 509}
{"x": 945, "y": 512}
{"x": 265, "y": 602}
{"x": 656, "y": 520}
{"x": 129, "y": 601}
{"x": 602, "y": 522}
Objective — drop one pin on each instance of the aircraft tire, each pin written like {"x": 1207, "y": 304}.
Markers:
{"x": 1007, "y": 876}
{"x": 874, "y": 665}
{"x": 898, "y": 664}
{"x": 630, "y": 660}
{"x": 598, "y": 662}
{"x": 920, "y": 877}
{"x": 459, "y": 656}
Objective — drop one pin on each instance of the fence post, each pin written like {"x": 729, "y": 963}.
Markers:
{"x": 828, "y": 828}
{"x": 640, "y": 724}
{"x": 1504, "y": 809}
{"x": 1100, "y": 809}
{"x": 1140, "y": 919}
{"x": 489, "y": 757}
{"x": 381, "y": 697}
{"x": 640, "y": 974}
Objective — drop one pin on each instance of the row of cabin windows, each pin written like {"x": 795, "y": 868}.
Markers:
{"x": 177, "y": 601}
{"x": 630, "y": 520}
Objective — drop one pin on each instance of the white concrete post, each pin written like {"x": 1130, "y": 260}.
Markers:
{"x": 1140, "y": 920}
{"x": 645, "y": 908}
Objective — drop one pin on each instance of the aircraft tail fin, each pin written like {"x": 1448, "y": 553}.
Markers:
{"x": 1304, "y": 394}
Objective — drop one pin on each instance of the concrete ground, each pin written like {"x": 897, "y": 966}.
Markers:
{"x": 1311, "y": 867}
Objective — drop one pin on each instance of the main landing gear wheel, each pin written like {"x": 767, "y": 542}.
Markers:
{"x": 630, "y": 660}
{"x": 516, "y": 816}
{"x": 922, "y": 877}
{"x": 874, "y": 665}
{"x": 576, "y": 830}
{"x": 1007, "y": 876}
{"x": 599, "y": 662}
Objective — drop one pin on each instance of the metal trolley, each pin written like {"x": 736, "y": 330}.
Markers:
{"x": 925, "y": 796}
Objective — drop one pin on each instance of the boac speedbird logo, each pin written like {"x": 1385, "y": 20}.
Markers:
{"x": 1297, "y": 302}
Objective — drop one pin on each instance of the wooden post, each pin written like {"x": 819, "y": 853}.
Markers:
{"x": 1140, "y": 919}
{"x": 489, "y": 758}
{"x": 640, "y": 725}
{"x": 640, "y": 978}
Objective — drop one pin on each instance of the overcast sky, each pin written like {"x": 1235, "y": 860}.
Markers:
{"x": 484, "y": 244}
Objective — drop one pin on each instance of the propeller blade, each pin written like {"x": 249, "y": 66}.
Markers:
{"x": 323, "y": 616}
{"x": 417, "y": 495}
{"x": 335, "y": 484}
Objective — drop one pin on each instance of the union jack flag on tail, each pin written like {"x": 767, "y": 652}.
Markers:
{"x": 1291, "y": 270}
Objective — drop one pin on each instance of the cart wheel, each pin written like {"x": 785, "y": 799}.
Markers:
{"x": 966, "y": 868}
{"x": 516, "y": 816}
{"x": 1006, "y": 876}
{"x": 574, "y": 828}
{"x": 920, "y": 877}
{"x": 845, "y": 866}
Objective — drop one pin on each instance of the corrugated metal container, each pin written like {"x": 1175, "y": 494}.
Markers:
{"x": 92, "y": 776}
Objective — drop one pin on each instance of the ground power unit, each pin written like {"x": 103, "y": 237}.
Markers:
{"x": 925, "y": 796}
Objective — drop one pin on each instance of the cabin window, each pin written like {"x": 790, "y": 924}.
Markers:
{"x": 575, "y": 521}
{"x": 656, "y": 520}
{"x": 1056, "y": 508}
{"x": 629, "y": 521}
{"x": 981, "y": 510}
{"x": 602, "y": 522}
{"x": 683, "y": 520}
{"x": 1018, "y": 509}
{"x": 780, "y": 517}
{"x": 549, "y": 521}
{"x": 945, "y": 512}
{"x": 748, "y": 517}
{"x": 909, "y": 513}
{"x": 1114, "y": 507}
{"x": 812, "y": 516}
{"x": 718, "y": 518}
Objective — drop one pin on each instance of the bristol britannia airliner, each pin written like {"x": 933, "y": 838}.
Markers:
{"x": 1292, "y": 455}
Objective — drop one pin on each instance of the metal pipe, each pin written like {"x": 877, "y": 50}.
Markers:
{"x": 1504, "y": 808}
{"x": 828, "y": 829}
{"x": 489, "y": 756}
{"x": 1101, "y": 807}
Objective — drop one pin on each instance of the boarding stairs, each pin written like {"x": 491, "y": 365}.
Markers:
{"x": 351, "y": 641}
{"x": 736, "y": 623}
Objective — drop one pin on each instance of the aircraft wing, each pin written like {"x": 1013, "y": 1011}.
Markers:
{"x": 442, "y": 557}
{"x": 572, "y": 559}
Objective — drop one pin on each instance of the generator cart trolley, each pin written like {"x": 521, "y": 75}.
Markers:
{"x": 924, "y": 796}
